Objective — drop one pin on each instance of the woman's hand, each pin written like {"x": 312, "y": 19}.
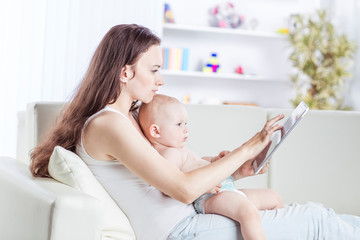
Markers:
{"x": 256, "y": 144}
{"x": 257, "y": 148}
{"x": 247, "y": 169}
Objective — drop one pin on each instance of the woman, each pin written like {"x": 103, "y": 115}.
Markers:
{"x": 100, "y": 125}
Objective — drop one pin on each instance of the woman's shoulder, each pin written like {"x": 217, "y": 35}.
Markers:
{"x": 111, "y": 125}
{"x": 108, "y": 119}
{"x": 107, "y": 124}
{"x": 106, "y": 132}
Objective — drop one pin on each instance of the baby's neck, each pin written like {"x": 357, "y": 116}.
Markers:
{"x": 161, "y": 147}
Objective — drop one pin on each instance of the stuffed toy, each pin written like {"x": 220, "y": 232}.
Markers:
{"x": 225, "y": 16}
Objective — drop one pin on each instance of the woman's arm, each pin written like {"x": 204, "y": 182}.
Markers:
{"x": 122, "y": 141}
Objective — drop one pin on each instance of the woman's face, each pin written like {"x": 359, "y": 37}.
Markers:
{"x": 147, "y": 78}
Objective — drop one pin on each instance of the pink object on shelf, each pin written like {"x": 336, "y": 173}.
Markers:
{"x": 239, "y": 70}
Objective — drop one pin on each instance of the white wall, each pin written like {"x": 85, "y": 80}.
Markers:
{"x": 46, "y": 46}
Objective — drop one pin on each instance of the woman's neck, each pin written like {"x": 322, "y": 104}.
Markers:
{"x": 123, "y": 104}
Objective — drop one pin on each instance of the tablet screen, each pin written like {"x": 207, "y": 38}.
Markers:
{"x": 278, "y": 137}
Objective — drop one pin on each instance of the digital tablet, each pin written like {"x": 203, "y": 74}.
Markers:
{"x": 279, "y": 136}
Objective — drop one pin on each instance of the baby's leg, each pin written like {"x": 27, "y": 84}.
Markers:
{"x": 264, "y": 199}
{"x": 239, "y": 208}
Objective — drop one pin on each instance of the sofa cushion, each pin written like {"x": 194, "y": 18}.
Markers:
{"x": 68, "y": 168}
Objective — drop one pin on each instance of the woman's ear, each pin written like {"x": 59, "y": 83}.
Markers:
{"x": 126, "y": 74}
{"x": 154, "y": 131}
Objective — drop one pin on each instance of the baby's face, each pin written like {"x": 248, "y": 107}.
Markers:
{"x": 173, "y": 129}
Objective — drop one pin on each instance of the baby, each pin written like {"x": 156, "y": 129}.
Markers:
{"x": 163, "y": 122}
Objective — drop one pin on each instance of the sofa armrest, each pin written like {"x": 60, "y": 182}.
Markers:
{"x": 40, "y": 118}
{"x": 22, "y": 154}
{"x": 44, "y": 209}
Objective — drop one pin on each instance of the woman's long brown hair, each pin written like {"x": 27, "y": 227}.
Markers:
{"x": 122, "y": 45}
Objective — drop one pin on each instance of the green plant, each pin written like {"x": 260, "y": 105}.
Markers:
{"x": 321, "y": 58}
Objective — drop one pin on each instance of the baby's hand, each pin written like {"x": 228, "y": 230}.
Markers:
{"x": 216, "y": 189}
{"x": 220, "y": 155}
{"x": 223, "y": 153}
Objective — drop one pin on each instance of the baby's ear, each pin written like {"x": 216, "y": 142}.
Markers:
{"x": 154, "y": 131}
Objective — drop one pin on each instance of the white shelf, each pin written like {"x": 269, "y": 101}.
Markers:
{"x": 227, "y": 31}
{"x": 218, "y": 76}
{"x": 260, "y": 52}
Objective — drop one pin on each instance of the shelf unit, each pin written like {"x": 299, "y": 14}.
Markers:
{"x": 234, "y": 45}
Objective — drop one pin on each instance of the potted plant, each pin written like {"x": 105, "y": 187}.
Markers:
{"x": 321, "y": 60}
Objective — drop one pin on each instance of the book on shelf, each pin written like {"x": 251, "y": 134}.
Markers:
{"x": 175, "y": 59}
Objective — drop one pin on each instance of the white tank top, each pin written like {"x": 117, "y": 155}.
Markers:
{"x": 151, "y": 214}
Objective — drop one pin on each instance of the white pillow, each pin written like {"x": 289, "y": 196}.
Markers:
{"x": 68, "y": 168}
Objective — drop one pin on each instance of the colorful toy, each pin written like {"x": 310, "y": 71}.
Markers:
{"x": 168, "y": 16}
{"x": 186, "y": 99}
{"x": 239, "y": 70}
{"x": 213, "y": 64}
{"x": 225, "y": 16}
{"x": 283, "y": 31}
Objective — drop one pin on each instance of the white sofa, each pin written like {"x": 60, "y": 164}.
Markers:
{"x": 319, "y": 162}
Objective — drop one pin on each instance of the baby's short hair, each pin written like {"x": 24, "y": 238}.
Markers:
{"x": 147, "y": 111}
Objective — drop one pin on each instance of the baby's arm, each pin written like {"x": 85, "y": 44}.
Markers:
{"x": 173, "y": 155}
{"x": 192, "y": 161}
{"x": 183, "y": 159}
{"x": 186, "y": 161}
{"x": 213, "y": 159}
